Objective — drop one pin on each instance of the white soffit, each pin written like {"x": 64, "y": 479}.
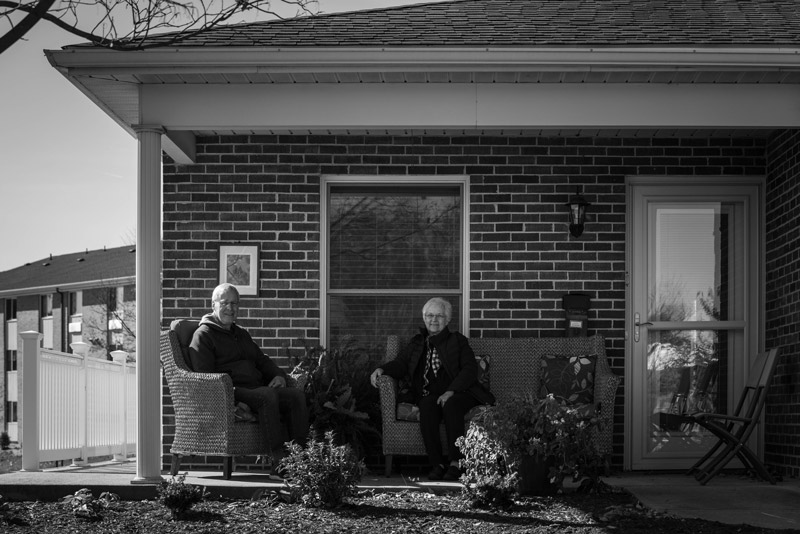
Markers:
{"x": 470, "y": 106}
{"x": 418, "y": 89}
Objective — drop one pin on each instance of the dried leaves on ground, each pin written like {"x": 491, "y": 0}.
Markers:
{"x": 402, "y": 512}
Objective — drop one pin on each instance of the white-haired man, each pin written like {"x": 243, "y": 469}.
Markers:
{"x": 219, "y": 345}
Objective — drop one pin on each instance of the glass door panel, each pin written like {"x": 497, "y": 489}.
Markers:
{"x": 692, "y": 267}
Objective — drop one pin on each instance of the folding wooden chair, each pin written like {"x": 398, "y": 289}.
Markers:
{"x": 733, "y": 431}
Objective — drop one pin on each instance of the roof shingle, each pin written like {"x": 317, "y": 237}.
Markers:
{"x": 79, "y": 267}
{"x": 537, "y": 23}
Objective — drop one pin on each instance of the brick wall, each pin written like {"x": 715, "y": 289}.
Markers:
{"x": 265, "y": 190}
{"x": 782, "y": 413}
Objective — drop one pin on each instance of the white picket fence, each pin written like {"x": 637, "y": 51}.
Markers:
{"x": 74, "y": 407}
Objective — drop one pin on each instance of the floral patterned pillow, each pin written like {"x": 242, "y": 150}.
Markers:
{"x": 569, "y": 377}
{"x": 483, "y": 369}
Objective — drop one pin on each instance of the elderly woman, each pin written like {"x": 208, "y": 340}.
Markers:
{"x": 444, "y": 381}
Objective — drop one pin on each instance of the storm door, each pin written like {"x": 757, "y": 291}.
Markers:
{"x": 694, "y": 310}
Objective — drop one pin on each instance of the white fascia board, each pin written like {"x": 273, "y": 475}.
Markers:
{"x": 469, "y": 106}
{"x": 75, "y": 286}
{"x": 338, "y": 59}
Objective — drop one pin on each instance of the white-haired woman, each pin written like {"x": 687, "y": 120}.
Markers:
{"x": 444, "y": 381}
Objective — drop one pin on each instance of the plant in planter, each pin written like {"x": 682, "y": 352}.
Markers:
{"x": 507, "y": 443}
{"x": 339, "y": 394}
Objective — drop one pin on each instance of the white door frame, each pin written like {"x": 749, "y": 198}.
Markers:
{"x": 754, "y": 268}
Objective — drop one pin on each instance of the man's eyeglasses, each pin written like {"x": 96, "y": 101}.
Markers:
{"x": 431, "y": 317}
{"x": 228, "y": 304}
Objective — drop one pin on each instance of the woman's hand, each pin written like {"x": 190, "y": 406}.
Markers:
{"x": 444, "y": 398}
{"x": 374, "y": 376}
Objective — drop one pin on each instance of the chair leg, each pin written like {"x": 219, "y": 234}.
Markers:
{"x": 227, "y": 467}
{"x": 175, "y": 465}
{"x": 388, "y": 468}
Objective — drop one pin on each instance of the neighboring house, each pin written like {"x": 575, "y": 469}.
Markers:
{"x": 377, "y": 158}
{"x": 86, "y": 296}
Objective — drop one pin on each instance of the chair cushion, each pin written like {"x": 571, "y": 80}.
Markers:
{"x": 569, "y": 377}
{"x": 184, "y": 329}
{"x": 243, "y": 414}
{"x": 407, "y": 411}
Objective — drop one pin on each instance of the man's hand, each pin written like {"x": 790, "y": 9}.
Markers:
{"x": 374, "y": 376}
{"x": 277, "y": 382}
{"x": 444, "y": 398}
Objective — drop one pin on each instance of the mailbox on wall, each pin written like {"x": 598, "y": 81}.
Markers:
{"x": 576, "y": 314}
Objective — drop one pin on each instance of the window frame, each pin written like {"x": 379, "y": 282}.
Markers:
{"x": 329, "y": 181}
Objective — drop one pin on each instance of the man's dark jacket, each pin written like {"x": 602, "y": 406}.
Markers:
{"x": 456, "y": 357}
{"x": 216, "y": 350}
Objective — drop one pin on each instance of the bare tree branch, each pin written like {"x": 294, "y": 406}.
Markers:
{"x": 131, "y": 24}
{"x": 19, "y": 30}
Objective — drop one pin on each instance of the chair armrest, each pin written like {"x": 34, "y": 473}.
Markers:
{"x": 298, "y": 381}
{"x": 203, "y": 397}
{"x": 605, "y": 392}
{"x": 387, "y": 389}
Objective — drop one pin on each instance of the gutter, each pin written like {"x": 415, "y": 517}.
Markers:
{"x": 198, "y": 60}
{"x": 63, "y": 288}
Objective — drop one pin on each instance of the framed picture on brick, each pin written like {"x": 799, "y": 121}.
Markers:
{"x": 238, "y": 265}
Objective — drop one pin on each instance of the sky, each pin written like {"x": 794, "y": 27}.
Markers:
{"x": 67, "y": 170}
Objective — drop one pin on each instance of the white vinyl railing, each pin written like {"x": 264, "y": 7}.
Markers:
{"x": 73, "y": 406}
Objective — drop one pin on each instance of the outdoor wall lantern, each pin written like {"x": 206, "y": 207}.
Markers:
{"x": 577, "y": 213}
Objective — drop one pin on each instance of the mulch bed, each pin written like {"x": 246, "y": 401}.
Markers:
{"x": 403, "y": 512}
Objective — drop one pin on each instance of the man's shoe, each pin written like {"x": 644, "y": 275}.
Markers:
{"x": 436, "y": 473}
{"x": 453, "y": 473}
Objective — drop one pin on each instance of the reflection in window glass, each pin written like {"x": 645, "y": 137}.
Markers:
{"x": 686, "y": 373}
{"x": 391, "y": 248}
{"x": 699, "y": 263}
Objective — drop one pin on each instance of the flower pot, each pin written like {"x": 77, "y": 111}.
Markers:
{"x": 534, "y": 476}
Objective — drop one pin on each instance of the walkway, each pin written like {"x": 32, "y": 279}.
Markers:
{"x": 728, "y": 499}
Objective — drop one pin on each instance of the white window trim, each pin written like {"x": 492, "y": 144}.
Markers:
{"x": 327, "y": 180}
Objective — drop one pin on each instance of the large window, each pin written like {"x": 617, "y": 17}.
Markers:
{"x": 389, "y": 248}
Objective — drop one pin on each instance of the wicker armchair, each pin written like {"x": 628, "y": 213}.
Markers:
{"x": 204, "y": 406}
{"x": 515, "y": 369}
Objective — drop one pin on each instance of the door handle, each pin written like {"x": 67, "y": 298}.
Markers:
{"x": 637, "y": 324}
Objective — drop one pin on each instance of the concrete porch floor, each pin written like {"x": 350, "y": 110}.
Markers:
{"x": 727, "y": 499}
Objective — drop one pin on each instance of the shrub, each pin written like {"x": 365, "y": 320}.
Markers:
{"x": 488, "y": 479}
{"x": 179, "y": 496}
{"x": 322, "y": 473}
{"x": 5, "y": 441}
{"x": 84, "y": 505}
{"x": 547, "y": 428}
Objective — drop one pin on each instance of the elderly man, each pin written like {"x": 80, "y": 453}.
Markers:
{"x": 219, "y": 345}
{"x": 444, "y": 380}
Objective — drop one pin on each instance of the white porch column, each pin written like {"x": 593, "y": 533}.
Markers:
{"x": 148, "y": 306}
{"x": 28, "y": 377}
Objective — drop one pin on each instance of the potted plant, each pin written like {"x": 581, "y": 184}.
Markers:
{"x": 339, "y": 394}
{"x": 528, "y": 445}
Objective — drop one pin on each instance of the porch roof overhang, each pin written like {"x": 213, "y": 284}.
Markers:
{"x": 607, "y": 91}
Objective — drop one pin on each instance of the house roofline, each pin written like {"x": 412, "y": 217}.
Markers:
{"x": 74, "y": 286}
{"x": 77, "y": 61}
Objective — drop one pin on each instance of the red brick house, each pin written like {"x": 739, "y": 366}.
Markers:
{"x": 376, "y": 158}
